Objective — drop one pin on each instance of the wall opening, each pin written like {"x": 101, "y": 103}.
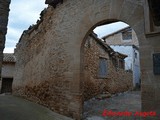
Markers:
{"x": 111, "y": 70}
{"x": 6, "y": 85}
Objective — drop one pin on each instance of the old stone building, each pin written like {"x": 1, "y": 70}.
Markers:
{"x": 125, "y": 36}
{"x": 50, "y": 54}
{"x": 103, "y": 69}
{"x": 7, "y": 74}
{"x": 126, "y": 42}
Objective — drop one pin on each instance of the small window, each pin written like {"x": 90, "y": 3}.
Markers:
{"x": 127, "y": 35}
{"x": 135, "y": 55}
{"x": 102, "y": 68}
{"x": 114, "y": 61}
{"x": 121, "y": 64}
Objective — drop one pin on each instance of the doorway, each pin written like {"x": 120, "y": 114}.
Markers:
{"x": 6, "y": 85}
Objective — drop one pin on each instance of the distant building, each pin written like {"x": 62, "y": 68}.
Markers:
{"x": 126, "y": 42}
{"x": 103, "y": 69}
{"x": 8, "y": 66}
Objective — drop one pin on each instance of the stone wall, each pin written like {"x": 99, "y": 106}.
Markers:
{"x": 116, "y": 39}
{"x": 59, "y": 37}
{"x": 8, "y": 70}
{"x": 0, "y": 85}
{"x": 43, "y": 69}
{"x": 4, "y": 12}
{"x": 117, "y": 80}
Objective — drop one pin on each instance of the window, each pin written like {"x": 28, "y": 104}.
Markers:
{"x": 135, "y": 54}
{"x": 114, "y": 61}
{"x": 154, "y": 6}
{"x": 102, "y": 73}
{"x": 121, "y": 64}
{"x": 152, "y": 16}
{"x": 127, "y": 35}
{"x": 156, "y": 63}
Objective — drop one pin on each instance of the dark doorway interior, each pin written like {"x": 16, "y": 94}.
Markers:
{"x": 6, "y": 85}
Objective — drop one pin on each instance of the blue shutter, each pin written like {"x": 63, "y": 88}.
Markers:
{"x": 102, "y": 67}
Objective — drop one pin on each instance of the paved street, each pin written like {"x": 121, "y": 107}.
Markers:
{"x": 14, "y": 108}
{"x": 125, "y": 102}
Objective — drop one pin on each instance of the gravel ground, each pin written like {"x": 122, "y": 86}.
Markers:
{"x": 130, "y": 102}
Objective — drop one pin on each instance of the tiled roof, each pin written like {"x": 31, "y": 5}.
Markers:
{"x": 9, "y": 57}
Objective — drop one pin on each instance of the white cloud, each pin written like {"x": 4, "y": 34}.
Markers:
{"x": 8, "y": 50}
{"x": 14, "y": 33}
{"x": 109, "y": 28}
{"x": 23, "y": 13}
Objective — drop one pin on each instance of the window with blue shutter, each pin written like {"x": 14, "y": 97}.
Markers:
{"x": 102, "y": 68}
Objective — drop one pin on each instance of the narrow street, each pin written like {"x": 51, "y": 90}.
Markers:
{"x": 15, "y": 108}
{"x": 122, "y": 106}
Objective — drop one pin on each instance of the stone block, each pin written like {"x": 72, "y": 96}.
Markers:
{"x": 127, "y": 11}
{"x": 116, "y": 6}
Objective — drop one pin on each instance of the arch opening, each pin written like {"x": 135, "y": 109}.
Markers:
{"x": 110, "y": 69}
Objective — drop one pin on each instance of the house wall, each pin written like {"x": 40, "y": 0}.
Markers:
{"x": 128, "y": 50}
{"x": 136, "y": 67}
{"x": 131, "y": 62}
{"x": 125, "y": 46}
{"x": 8, "y": 70}
{"x": 0, "y": 85}
{"x": 117, "y": 80}
{"x": 116, "y": 39}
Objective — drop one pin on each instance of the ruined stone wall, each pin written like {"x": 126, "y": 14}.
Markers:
{"x": 43, "y": 69}
{"x": 117, "y": 80}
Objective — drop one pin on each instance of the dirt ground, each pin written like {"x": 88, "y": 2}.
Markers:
{"x": 121, "y": 106}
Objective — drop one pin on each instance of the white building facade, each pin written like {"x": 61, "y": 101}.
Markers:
{"x": 132, "y": 62}
{"x": 126, "y": 42}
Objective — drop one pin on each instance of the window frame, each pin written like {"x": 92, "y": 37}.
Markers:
{"x": 105, "y": 61}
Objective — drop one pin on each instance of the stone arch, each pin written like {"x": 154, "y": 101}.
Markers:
{"x": 130, "y": 13}
{"x": 60, "y": 37}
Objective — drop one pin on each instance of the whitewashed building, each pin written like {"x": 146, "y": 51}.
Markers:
{"x": 126, "y": 42}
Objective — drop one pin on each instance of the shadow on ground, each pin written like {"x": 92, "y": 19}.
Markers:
{"x": 15, "y": 108}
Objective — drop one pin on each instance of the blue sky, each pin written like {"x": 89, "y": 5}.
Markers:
{"x": 24, "y": 13}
